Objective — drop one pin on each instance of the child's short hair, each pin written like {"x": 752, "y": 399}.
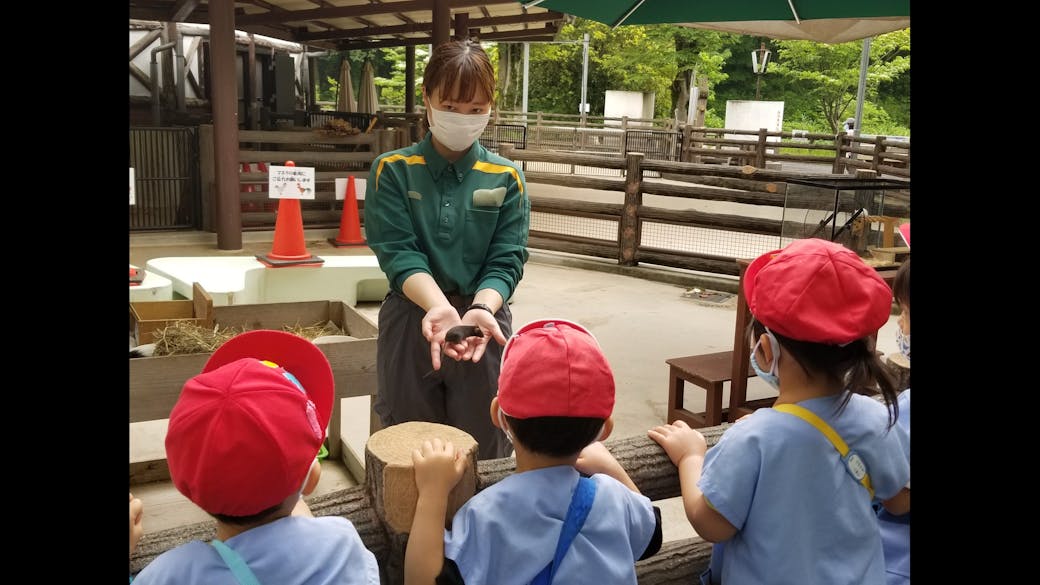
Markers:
{"x": 245, "y": 431}
{"x": 556, "y": 386}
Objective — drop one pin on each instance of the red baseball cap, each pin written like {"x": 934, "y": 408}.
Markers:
{"x": 904, "y": 230}
{"x": 244, "y": 432}
{"x": 554, "y": 367}
{"x": 817, "y": 291}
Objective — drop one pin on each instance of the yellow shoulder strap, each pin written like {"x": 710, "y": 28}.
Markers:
{"x": 855, "y": 464}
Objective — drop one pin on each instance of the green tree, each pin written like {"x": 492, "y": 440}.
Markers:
{"x": 829, "y": 74}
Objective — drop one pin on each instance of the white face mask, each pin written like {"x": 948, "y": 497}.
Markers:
{"x": 456, "y": 131}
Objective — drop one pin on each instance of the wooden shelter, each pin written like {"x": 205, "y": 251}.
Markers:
{"x": 330, "y": 25}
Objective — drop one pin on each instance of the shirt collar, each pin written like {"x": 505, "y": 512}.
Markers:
{"x": 437, "y": 164}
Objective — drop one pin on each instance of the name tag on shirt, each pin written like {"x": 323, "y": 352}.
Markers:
{"x": 489, "y": 197}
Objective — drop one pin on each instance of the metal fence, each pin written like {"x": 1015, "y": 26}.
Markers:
{"x": 167, "y": 193}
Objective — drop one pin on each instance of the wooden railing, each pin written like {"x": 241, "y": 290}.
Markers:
{"x": 709, "y": 182}
{"x": 331, "y": 156}
{"x": 881, "y": 154}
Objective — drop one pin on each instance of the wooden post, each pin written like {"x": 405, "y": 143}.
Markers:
{"x": 687, "y": 134}
{"x": 760, "y": 149}
{"x": 839, "y": 156}
{"x": 879, "y": 152}
{"x": 628, "y": 227}
{"x": 390, "y": 479}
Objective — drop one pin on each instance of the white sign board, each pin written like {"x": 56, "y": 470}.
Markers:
{"x": 754, "y": 115}
{"x": 290, "y": 182}
{"x": 132, "y": 190}
{"x": 359, "y": 188}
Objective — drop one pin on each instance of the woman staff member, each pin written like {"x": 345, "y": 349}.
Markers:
{"x": 448, "y": 222}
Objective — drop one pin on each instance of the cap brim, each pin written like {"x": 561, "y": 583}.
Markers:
{"x": 751, "y": 273}
{"x": 904, "y": 230}
{"x": 296, "y": 355}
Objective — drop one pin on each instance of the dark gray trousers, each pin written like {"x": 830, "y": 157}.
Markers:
{"x": 459, "y": 394}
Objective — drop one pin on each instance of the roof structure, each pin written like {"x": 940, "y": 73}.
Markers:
{"x": 364, "y": 24}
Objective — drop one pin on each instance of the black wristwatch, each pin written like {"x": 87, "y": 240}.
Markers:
{"x": 478, "y": 306}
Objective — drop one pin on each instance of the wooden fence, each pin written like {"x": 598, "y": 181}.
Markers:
{"x": 331, "y": 156}
{"x": 883, "y": 155}
{"x": 709, "y": 182}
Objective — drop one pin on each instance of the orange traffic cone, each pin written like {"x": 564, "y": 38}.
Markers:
{"x": 289, "y": 248}
{"x": 349, "y": 223}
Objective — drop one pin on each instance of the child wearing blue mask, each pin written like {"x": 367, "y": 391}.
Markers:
{"x": 788, "y": 490}
{"x": 894, "y": 515}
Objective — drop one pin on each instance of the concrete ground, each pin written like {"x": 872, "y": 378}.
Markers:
{"x": 640, "y": 317}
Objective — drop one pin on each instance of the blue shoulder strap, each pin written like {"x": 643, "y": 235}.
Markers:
{"x": 238, "y": 567}
{"x": 581, "y": 503}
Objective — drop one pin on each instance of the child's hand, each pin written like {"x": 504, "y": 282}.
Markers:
{"x": 679, "y": 440}
{"x": 136, "y": 526}
{"x": 596, "y": 458}
{"x": 438, "y": 467}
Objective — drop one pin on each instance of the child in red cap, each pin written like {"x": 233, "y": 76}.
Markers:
{"x": 242, "y": 445}
{"x": 788, "y": 490}
{"x": 570, "y": 513}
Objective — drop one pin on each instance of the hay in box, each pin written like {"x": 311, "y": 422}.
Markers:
{"x": 183, "y": 337}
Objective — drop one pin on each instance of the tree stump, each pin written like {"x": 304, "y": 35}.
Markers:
{"x": 390, "y": 480}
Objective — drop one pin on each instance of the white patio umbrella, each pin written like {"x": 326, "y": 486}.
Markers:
{"x": 368, "y": 98}
{"x": 345, "y": 101}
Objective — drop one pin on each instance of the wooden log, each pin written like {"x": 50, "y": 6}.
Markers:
{"x": 727, "y": 182}
{"x": 628, "y": 228}
{"x": 718, "y": 221}
{"x": 679, "y": 562}
{"x": 558, "y": 243}
{"x": 687, "y": 260}
{"x": 390, "y": 479}
{"x": 589, "y": 209}
{"x": 714, "y": 194}
{"x": 576, "y": 181}
{"x": 744, "y": 172}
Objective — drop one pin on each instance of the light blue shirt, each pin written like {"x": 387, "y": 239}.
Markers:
{"x": 801, "y": 517}
{"x": 507, "y": 533}
{"x": 895, "y": 530}
{"x": 289, "y": 551}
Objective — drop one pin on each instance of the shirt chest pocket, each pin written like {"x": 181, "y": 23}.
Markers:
{"x": 478, "y": 233}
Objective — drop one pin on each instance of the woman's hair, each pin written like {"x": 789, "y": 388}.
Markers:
{"x": 555, "y": 436}
{"x": 855, "y": 366}
{"x": 901, "y": 284}
{"x": 464, "y": 62}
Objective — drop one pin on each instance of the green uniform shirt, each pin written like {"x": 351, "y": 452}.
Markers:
{"x": 465, "y": 223}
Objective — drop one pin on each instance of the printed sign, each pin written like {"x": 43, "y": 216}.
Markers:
{"x": 291, "y": 182}
{"x": 359, "y": 188}
{"x": 132, "y": 190}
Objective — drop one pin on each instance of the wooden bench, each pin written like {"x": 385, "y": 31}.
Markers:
{"x": 709, "y": 371}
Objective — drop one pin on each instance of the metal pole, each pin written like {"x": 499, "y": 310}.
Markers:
{"x": 584, "y": 77}
{"x": 527, "y": 63}
{"x": 758, "y": 86}
{"x": 864, "y": 61}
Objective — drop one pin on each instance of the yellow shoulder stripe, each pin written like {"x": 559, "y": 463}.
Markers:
{"x": 493, "y": 168}
{"x": 415, "y": 159}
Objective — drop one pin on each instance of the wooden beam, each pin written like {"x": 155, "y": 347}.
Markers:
{"x": 420, "y": 27}
{"x": 141, "y": 76}
{"x": 181, "y": 9}
{"x": 354, "y": 11}
{"x": 144, "y": 42}
{"x": 536, "y": 36}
